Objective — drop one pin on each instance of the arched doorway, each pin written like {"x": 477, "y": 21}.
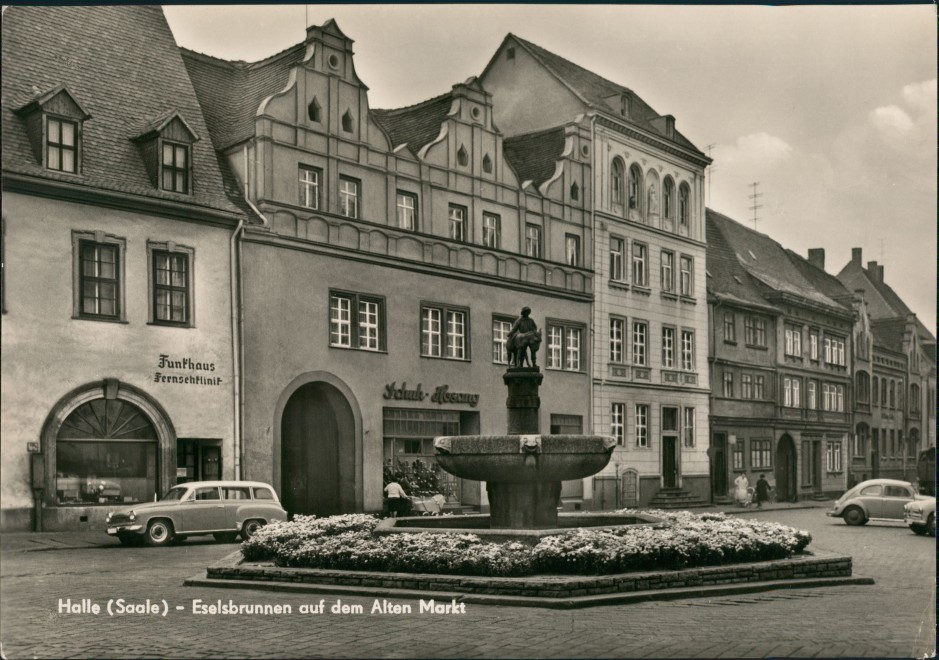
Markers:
{"x": 786, "y": 489}
{"x": 317, "y": 451}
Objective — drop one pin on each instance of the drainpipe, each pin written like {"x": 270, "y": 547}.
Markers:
{"x": 593, "y": 338}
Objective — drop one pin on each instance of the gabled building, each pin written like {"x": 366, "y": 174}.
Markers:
{"x": 901, "y": 333}
{"x": 118, "y": 363}
{"x": 389, "y": 253}
{"x": 645, "y": 205}
{"x": 793, "y": 424}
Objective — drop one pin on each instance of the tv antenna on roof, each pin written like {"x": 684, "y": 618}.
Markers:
{"x": 711, "y": 168}
{"x": 755, "y": 197}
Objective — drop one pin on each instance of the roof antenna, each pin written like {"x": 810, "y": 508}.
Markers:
{"x": 755, "y": 197}
{"x": 711, "y": 169}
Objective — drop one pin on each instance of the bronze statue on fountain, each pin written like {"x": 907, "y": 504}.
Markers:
{"x": 523, "y": 341}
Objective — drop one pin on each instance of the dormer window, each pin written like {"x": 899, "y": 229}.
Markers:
{"x": 61, "y": 145}
{"x": 54, "y": 125}
{"x": 175, "y": 167}
{"x": 166, "y": 148}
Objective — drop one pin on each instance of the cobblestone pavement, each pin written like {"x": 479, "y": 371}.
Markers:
{"x": 893, "y": 618}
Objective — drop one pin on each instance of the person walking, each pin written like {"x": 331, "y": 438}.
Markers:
{"x": 396, "y": 498}
{"x": 741, "y": 490}
{"x": 762, "y": 491}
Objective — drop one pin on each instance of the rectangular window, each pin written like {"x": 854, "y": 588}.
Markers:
{"x": 792, "y": 397}
{"x": 348, "y": 197}
{"x": 99, "y": 280}
{"x": 728, "y": 383}
{"x": 617, "y": 258}
{"x": 738, "y": 454}
{"x": 533, "y": 241}
{"x": 617, "y": 337}
{"x": 640, "y": 264}
{"x": 356, "y": 321}
{"x": 310, "y": 178}
{"x": 572, "y": 249}
{"x": 755, "y": 331}
{"x": 407, "y": 211}
{"x": 639, "y": 343}
{"x": 834, "y": 457}
{"x": 444, "y": 331}
{"x": 175, "y": 167}
{"x": 565, "y": 346}
{"x": 687, "y": 350}
{"x": 746, "y": 386}
{"x": 668, "y": 348}
{"x": 492, "y": 230}
{"x": 170, "y": 287}
{"x": 730, "y": 329}
{"x": 687, "y": 282}
{"x": 688, "y": 427}
{"x": 642, "y": 425}
{"x": 457, "y": 215}
{"x": 500, "y": 335}
{"x": 813, "y": 345}
{"x": 793, "y": 341}
{"x": 811, "y": 389}
{"x": 61, "y": 145}
{"x": 758, "y": 383}
{"x": 760, "y": 453}
{"x": 618, "y": 422}
{"x": 668, "y": 270}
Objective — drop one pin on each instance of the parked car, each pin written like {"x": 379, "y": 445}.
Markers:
{"x": 875, "y": 499}
{"x": 223, "y": 509}
{"x": 920, "y": 515}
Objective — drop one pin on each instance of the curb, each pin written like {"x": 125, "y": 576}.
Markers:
{"x": 534, "y": 601}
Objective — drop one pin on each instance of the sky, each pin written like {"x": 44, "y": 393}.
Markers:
{"x": 831, "y": 110}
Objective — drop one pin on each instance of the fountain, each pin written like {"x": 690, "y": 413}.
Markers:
{"x": 523, "y": 469}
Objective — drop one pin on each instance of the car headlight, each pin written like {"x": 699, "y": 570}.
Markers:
{"x": 107, "y": 518}
{"x": 132, "y": 516}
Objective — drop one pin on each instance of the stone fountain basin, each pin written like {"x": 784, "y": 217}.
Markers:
{"x": 523, "y": 458}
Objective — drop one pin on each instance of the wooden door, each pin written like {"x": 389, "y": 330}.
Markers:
{"x": 670, "y": 461}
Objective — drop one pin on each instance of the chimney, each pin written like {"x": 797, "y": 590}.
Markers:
{"x": 856, "y": 257}
{"x": 876, "y": 272}
{"x": 670, "y": 127}
{"x": 817, "y": 257}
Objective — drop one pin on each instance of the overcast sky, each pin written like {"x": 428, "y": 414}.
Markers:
{"x": 831, "y": 109}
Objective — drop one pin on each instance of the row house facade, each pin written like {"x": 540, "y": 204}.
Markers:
{"x": 389, "y": 253}
{"x": 903, "y": 377}
{"x": 118, "y": 363}
{"x": 781, "y": 374}
{"x": 649, "y": 379}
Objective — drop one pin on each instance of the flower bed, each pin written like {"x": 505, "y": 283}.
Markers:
{"x": 346, "y": 542}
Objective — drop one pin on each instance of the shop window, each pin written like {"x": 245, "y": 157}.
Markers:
{"x": 408, "y": 448}
{"x": 105, "y": 453}
{"x": 356, "y": 321}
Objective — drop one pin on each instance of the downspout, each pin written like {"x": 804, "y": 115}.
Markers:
{"x": 235, "y": 341}
{"x": 593, "y": 304}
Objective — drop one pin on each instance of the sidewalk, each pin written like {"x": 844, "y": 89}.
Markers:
{"x": 41, "y": 541}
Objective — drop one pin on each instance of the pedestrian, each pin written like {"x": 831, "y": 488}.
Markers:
{"x": 397, "y": 498}
{"x": 762, "y": 491}
{"x": 741, "y": 490}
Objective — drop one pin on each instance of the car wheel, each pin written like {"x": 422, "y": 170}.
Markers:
{"x": 931, "y": 524}
{"x": 226, "y": 537}
{"x": 159, "y": 532}
{"x": 854, "y": 516}
{"x": 250, "y": 528}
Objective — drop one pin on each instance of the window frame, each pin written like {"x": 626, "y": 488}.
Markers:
{"x": 617, "y": 344}
{"x": 61, "y": 147}
{"x": 78, "y": 278}
{"x": 668, "y": 346}
{"x": 641, "y": 426}
{"x": 345, "y": 196}
{"x": 761, "y": 453}
{"x": 500, "y": 349}
{"x": 833, "y": 460}
{"x": 561, "y": 361}
{"x": 617, "y": 259}
{"x": 305, "y": 186}
{"x": 754, "y": 330}
{"x": 667, "y": 268}
{"x": 492, "y": 231}
{"x": 688, "y": 426}
{"x": 534, "y": 241}
{"x": 447, "y": 347}
{"x": 727, "y": 384}
{"x": 618, "y": 422}
{"x": 401, "y": 210}
{"x": 688, "y": 356}
{"x": 174, "y": 168}
{"x": 457, "y": 215}
{"x": 617, "y": 182}
{"x": 639, "y": 343}
{"x": 640, "y": 264}
{"x": 683, "y": 290}
{"x": 572, "y": 253}
{"x": 355, "y": 323}
{"x": 155, "y": 248}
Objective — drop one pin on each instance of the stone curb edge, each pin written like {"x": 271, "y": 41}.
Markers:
{"x": 709, "y": 591}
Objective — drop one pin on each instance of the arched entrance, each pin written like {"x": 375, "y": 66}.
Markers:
{"x": 786, "y": 488}
{"x": 317, "y": 451}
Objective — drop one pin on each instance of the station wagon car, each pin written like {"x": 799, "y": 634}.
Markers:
{"x": 223, "y": 509}
{"x": 875, "y": 498}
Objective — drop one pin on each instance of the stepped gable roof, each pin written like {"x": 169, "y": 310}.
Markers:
{"x": 595, "y": 90}
{"x": 534, "y": 156}
{"x": 121, "y": 65}
{"x": 889, "y": 333}
{"x": 726, "y": 279}
{"x": 768, "y": 262}
{"x": 231, "y": 92}
{"x": 415, "y": 125}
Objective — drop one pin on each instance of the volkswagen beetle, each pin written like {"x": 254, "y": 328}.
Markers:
{"x": 874, "y": 498}
{"x": 224, "y": 509}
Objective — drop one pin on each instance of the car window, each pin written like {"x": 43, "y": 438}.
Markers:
{"x": 174, "y": 494}
{"x": 872, "y": 491}
{"x": 263, "y": 494}
{"x": 897, "y": 491}
{"x": 235, "y": 493}
{"x": 207, "y": 493}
